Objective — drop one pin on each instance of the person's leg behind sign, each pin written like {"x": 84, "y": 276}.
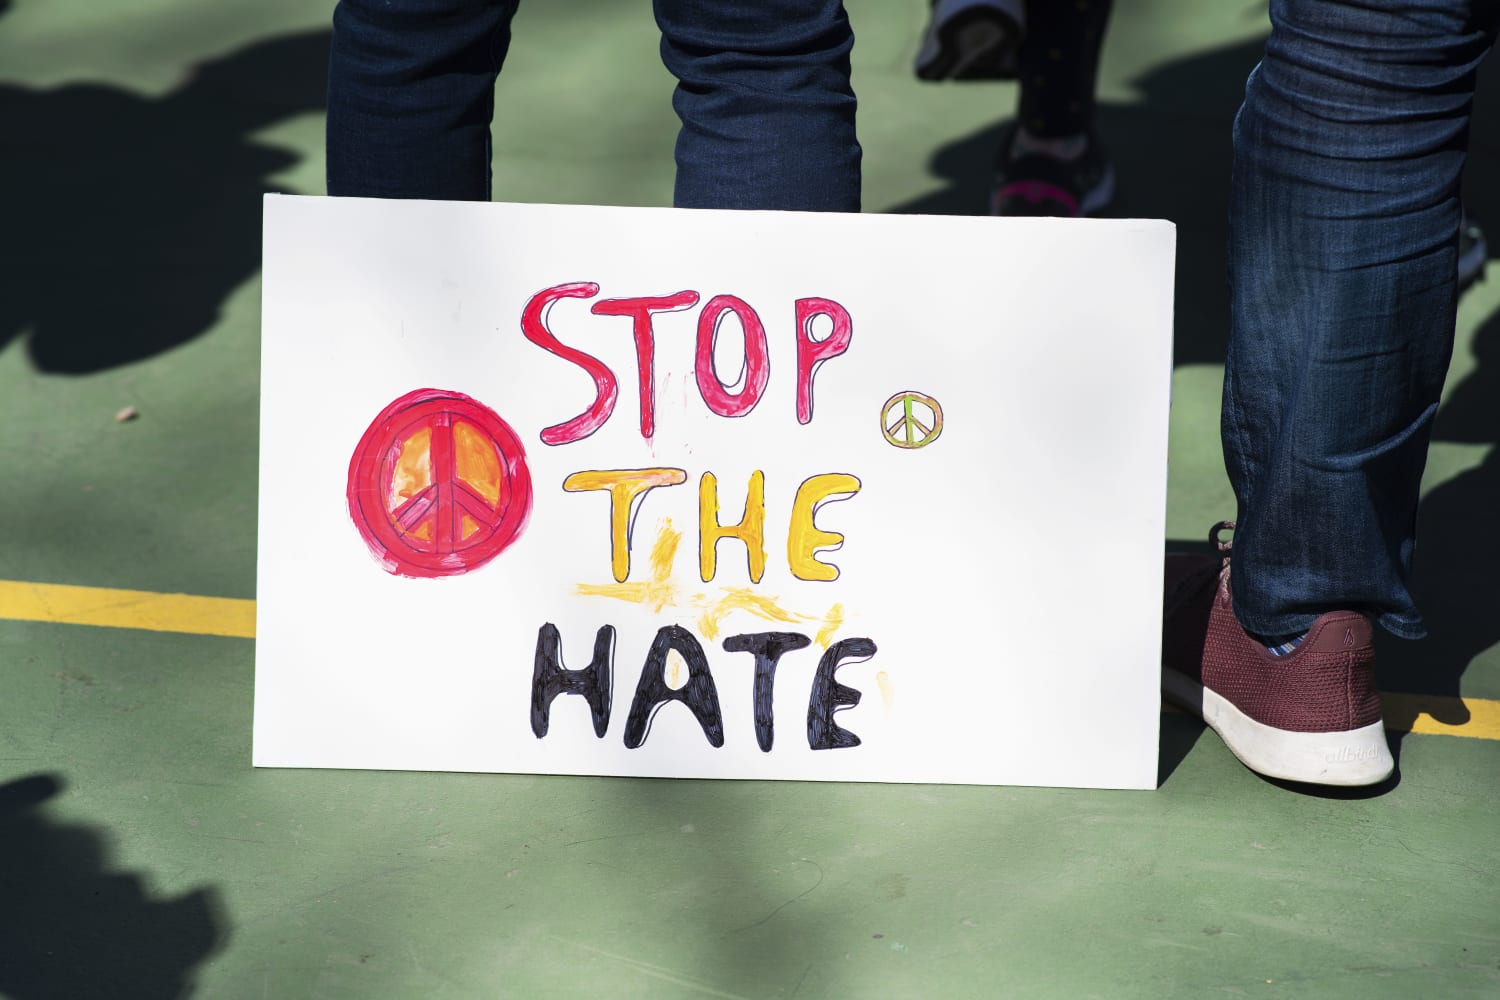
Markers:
{"x": 1051, "y": 162}
{"x": 1343, "y": 259}
{"x": 411, "y": 91}
{"x": 766, "y": 105}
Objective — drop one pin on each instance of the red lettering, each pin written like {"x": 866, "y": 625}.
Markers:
{"x": 718, "y": 396}
{"x": 606, "y": 387}
{"x": 757, "y": 358}
{"x": 812, "y": 353}
{"x": 640, "y": 310}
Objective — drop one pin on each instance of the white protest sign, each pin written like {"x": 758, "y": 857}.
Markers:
{"x": 711, "y": 494}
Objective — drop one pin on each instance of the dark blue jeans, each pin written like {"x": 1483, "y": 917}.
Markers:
{"x": 1343, "y": 254}
{"x": 763, "y": 93}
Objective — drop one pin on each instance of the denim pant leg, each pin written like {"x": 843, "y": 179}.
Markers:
{"x": 766, "y": 106}
{"x": 1343, "y": 251}
{"x": 411, "y": 91}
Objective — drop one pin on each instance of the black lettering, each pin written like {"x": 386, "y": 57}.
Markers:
{"x": 829, "y": 696}
{"x": 549, "y": 679}
{"x": 768, "y": 648}
{"x": 699, "y": 693}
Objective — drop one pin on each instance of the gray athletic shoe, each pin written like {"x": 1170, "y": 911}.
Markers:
{"x": 972, "y": 40}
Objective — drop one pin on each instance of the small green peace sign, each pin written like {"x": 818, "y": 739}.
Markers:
{"x": 902, "y": 424}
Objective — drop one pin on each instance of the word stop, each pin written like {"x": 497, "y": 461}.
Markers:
{"x": 720, "y": 398}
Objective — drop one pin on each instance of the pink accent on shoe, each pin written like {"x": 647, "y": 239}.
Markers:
{"x": 1038, "y": 192}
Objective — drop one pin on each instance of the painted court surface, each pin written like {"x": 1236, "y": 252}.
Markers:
{"x": 141, "y": 855}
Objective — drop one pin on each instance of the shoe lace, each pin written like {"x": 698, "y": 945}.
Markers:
{"x": 1223, "y": 546}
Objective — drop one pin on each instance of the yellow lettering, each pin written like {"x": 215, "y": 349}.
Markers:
{"x": 751, "y": 530}
{"x": 626, "y": 489}
{"x": 804, "y": 538}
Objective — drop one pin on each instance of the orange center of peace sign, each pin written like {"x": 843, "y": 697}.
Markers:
{"x": 911, "y": 420}
{"x": 438, "y": 485}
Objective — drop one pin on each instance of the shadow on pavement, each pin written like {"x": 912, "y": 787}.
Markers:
{"x": 70, "y": 927}
{"x": 132, "y": 218}
{"x": 1453, "y": 575}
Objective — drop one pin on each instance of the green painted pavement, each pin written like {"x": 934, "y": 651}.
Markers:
{"x": 140, "y": 852}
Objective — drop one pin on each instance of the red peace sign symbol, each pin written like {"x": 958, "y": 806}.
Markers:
{"x": 438, "y": 485}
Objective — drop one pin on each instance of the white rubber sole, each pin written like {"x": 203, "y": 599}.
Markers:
{"x": 1347, "y": 759}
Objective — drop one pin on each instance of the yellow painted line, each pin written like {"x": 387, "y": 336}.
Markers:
{"x": 139, "y": 609}
{"x": 1473, "y": 718}
{"x": 1478, "y": 718}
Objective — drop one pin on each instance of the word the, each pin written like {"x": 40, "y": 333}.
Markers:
{"x": 627, "y": 490}
{"x": 811, "y": 353}
{"x": 595, "y": 682}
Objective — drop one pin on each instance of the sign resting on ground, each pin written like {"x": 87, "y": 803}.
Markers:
{"x": 614, "y": 491}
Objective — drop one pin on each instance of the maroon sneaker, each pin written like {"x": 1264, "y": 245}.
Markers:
{"x": 1310, "y": 715}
